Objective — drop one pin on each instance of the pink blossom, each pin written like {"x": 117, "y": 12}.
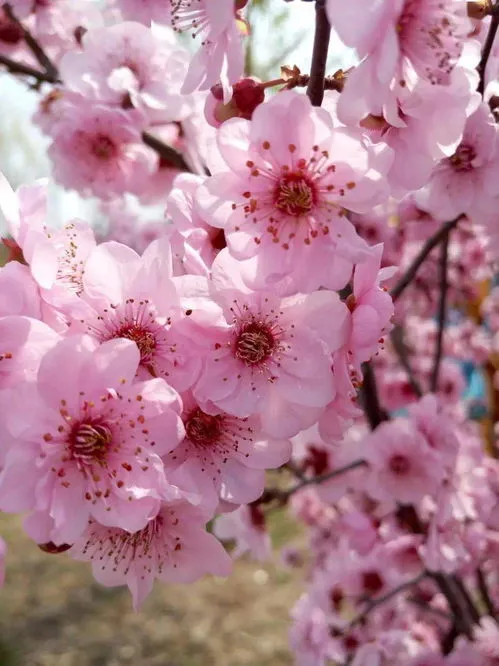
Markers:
{"x": 56, "y": 257}
{"x": 23, "y": 343}
{"x": 220, "y": 56}
{"x": 371, "y": 307}
{"x": 132, "y": 297}
{"x": 282, "y": 203}
{"x": 397, "y": 40}
{"x": 173, "y": 547}
{"x": 246, "y": 526}
{"x": 129, "y": 65}
{"x": 223, "y": 456}
{"x": 486, "y": 636}
{"x": 419, "y": 132}
{"x": 98, "y": 151}
{"x": 19, "y": 293}
{"x": 429, "y": 417}
{"x": 92, "y": 444}
{"x": 270, "y": 356}
{"x": 465, "y": 182}
{"x": 145, "y": 11}
{"x": 195, "y": 243}
{"x": 403, "y": 466}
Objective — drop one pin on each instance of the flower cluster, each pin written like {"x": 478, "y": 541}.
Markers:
{"x": 316, "y": 298}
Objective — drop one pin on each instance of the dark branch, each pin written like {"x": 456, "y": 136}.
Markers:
{"x": 33, "y": 45}
{"x": 282, "y": 496}
{"x": 487, "y": 49}
{"x": 432, "y": 242}
{"x": 369, "y": 397}
{"x": 442, "y": 311}
{"x": 374, "y": 603}
{"x": 315, "y": 89}
{"x": 20, "y": 68}
{"x": 485, "y": 594}
{"x": 166, "y": 153}
{"x": 458, "y": 606}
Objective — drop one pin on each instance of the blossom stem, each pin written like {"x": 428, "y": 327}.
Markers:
{"x": 315, "y": 89}
{"x": 370, "y": 399}
{"x": 36, "y": 49}
{"x": 487, "y": 49}
{"x": 431, "y": 243}
{"x": 442, "y": 311}
{"x": 374, "y": 603}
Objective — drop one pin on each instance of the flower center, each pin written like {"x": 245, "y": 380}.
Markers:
{"x": 462, "y": 160}
{"x": 399, "y": 464}
{"x": 143, "y": 338}
{"x": 295, "y": 194}
{"x": 90, "y": 442}
{"x": 103, "y": 147}
{"x": 372, "y": 582}
{"x": 254, "y": 344}
{"x": 203, "y": 428}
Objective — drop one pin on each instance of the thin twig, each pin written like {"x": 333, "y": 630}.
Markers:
{"x": 369, "y": 398}
{"x": 33, "y": 45}
{"x": 325, "y": 477}
{"x": 15, "y": 67}
{"x": 374, "y": 603}
{"x": 485, "y": 594}
{"x": 400, "y": 348}
{"x": 282, "y": 496}
{"x": 432, "y": 242}
{"x": 315, "y": 89}
{"x": 487, "y": 49}
{"x": 442, "y": 311}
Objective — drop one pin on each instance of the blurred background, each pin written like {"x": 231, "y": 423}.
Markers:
{"x": 52, "y": 611}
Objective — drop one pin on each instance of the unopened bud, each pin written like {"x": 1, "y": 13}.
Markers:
{"x": 247, "y": 94}
{"x": 10, "y": 251}
{"x": 478, "y": 9}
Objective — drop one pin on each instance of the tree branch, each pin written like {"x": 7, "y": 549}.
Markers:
{"x": 374, "y": 603}
{"x": 166, "y": 153}
{"x": 400, "y": 348}
{"x": 442, "y": 311}
{"x": 315, "y": 89}
{"x": 20, "y": 68}
{"x": 432, "y": 242}
{"x": 463, "y": 623}
{"x": 485, "y": 594}
{"x": 33, "y": 45}
{"x": 369, "y": 397}
{"x": 282, "y": 496}
{"x": 487, "y": 48}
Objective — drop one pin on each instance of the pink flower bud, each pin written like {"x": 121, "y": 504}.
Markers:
{"x": 248, "y": 93}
